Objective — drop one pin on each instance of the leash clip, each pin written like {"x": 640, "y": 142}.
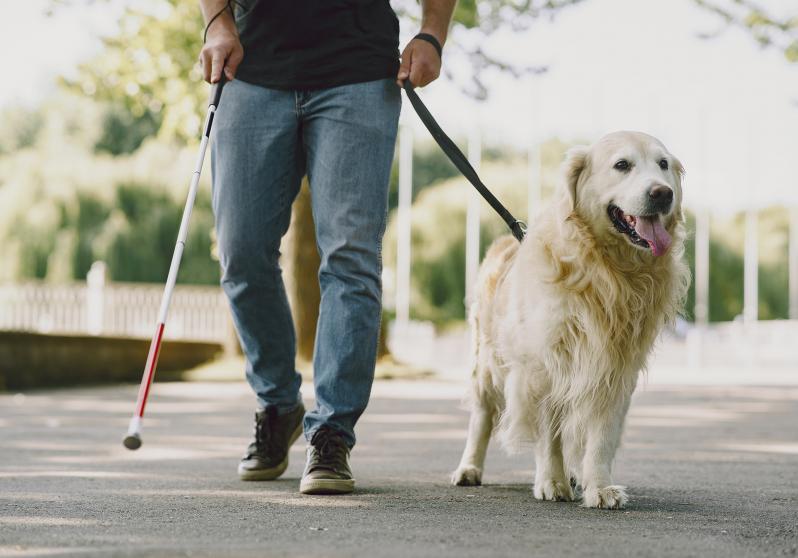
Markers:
{"x": 519, "y": 229}
{"x": 460, "y": 161}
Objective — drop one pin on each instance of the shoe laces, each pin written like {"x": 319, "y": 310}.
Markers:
{"x": 329, "y": 445}
{"x": 263, "y": 430}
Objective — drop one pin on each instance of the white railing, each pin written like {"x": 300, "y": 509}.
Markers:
{"x": 114, "y": 309}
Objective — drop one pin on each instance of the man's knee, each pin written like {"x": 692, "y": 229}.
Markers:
{"x": 241, "y": 261}
{"x": 355, "y": 263}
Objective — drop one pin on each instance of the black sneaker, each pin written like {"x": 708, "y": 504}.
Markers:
{"x": 267, "y": 455}
{"x": 327, "y": 470}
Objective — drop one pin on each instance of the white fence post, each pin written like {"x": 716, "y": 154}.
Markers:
{"x": 472, "y": 219}
{"x": 534, "y": 166}
{"x": 695, "y": 336}
{"x": 403, "y": 225}
{"x": 534, "y": 181}
{"x": 751, "y": 269}
{"x": 95, "y": 292}
{"x": 702, "y": 223}
{"x": 793, "y": 263}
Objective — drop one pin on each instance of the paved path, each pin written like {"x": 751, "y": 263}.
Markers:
{"x": 711, "y": 472}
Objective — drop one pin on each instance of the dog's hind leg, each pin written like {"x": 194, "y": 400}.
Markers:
{"x": 480, "y": 426}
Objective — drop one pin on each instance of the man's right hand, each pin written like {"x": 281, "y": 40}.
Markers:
{"x": 222, "y": 50}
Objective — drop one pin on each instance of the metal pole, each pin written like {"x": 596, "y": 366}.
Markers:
{"x": 751, "y": 265}
{"x": 702, "y": 268}
{"x": 793, "y": 263}
{"x": 534, "y": 178}
{"x": 403, "y": 223}
{"x": 472, "y": 219}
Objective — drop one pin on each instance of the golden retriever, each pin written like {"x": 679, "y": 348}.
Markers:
{"x": 563, "y": 322}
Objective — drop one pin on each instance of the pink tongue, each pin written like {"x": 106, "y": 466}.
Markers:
{"x": 651, "y": 230}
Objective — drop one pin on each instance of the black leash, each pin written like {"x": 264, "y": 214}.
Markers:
{"x": 460, "y": 161}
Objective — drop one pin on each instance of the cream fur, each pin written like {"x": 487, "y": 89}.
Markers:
{"x": 564, "y": 322}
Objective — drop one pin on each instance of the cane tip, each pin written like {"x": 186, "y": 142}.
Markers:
{"x": 132, "y": 441}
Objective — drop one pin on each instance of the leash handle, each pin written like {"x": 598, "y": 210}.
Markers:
{"x": 216, "y": 91}
{"x": 213, "y": 103}
{"x": 518, "y": 228}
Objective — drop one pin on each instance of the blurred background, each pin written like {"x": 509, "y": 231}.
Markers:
{"x": 101, "y": 112}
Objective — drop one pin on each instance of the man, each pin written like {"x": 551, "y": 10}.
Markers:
{"x": 316, "y": 91}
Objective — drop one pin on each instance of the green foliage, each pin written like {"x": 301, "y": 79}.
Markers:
{"x": 429, "y": 166}
{"x": 63, "y": 206}
{"x": 726, "y": 264}
{"x": 123, "y": 133}
{"x": 142, "y": 234}
{"x": 84, "y": 177}
{"x": 766, "y": 28}
{"x": 438, "y": 222}
{"x": 134, "y": 234}
{"x": 86, "y": 225}
{"x": 438, "y": 245}
{"x": 20, "y": 129}
{"x": 466, "y": 13}
{"x": 149, "y": 67}
{"x": 149, "y": 70}
{"x": 438, "y": 238}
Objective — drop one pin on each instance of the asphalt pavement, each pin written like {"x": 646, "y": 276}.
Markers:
{"x": 711, "y": 471}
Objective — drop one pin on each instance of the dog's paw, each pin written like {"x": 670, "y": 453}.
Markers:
{"x": 608, "y": 498}
{"x": 554, "y": 490}
{"x": 467, "y": 476}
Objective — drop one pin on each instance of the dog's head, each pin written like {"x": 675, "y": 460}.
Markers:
{"x": 629, "y": 185}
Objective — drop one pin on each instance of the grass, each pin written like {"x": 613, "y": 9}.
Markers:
{"x": 231, "y": 369}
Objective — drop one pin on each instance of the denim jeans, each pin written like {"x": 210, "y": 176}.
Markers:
{"x": 264, "y": 142}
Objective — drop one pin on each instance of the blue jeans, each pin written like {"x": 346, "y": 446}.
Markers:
{"x": 264, "y": 142}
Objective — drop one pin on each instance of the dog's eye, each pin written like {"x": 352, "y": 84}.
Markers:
{"x": 622, "y": 165}
{"x": 663, "y": 164}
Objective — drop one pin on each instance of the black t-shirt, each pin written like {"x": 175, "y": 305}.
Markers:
{"x": 315, "y": 44}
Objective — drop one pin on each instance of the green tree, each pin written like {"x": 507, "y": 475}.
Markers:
{"x": 148, "y": 74}
{"x": 770, "y": 30}
{"x": 473, "y": 25}
{"x": 141, "y": 233}
{"x": 726, "y": 263}
{"x": 438, "y": 230}
{"x": 149, "y": 68}
{"x": 122, "y": 132}
{"x": 21, "y": 128}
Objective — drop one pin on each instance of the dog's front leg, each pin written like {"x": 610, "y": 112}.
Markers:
{"x": 550, "y": 480}
{"x": 480, "y": 425}
{"x": 603, "y": 430}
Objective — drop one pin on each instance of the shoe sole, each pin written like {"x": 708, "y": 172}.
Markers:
{"x": 326, "y": 486}
{"x": 274, "y": 472}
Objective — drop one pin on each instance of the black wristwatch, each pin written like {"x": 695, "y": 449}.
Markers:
{"x": 431, "y": 40}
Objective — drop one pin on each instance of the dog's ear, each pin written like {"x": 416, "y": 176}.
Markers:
{"x": 576, "y": 161}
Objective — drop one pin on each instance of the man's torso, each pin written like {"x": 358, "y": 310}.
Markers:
{"x": 315, "y": 44}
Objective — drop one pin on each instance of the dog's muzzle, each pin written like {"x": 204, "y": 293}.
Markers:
{"x": 644, "y": 231}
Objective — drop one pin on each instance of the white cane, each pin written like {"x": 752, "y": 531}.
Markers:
{"x": 132, "y": 440}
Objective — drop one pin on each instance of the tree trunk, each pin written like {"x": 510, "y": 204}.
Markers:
{"x": 382, "y": 343}
{"x": 300, "y": 263}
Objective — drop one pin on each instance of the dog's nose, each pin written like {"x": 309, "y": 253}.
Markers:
{"x": 660, "y": 197}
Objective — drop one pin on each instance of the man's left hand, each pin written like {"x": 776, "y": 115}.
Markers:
{"x": 420, "y": 63}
